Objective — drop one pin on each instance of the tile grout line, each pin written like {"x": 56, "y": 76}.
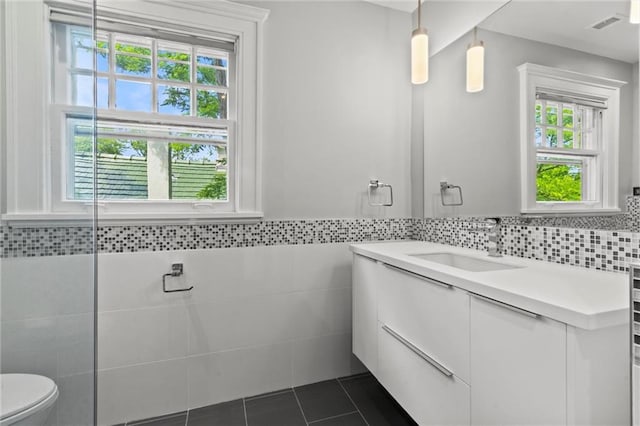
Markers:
{"x": 244, "y": 406}
{"x": 300, "y": 406}
{"x": 267, "y": 395}
{"x": 355, "y": 376}
{"x": 334, "y": 417}
{"x": 353, "y": 402}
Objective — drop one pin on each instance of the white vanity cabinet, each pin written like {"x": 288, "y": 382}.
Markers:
{"x": 518, "y": 366}
{"x": 450, "y": 355}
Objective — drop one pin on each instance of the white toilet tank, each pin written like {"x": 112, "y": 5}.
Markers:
{"x": 26, "y": 399}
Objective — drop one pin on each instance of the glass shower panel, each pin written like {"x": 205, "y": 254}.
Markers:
{"x": 47, "y": 266}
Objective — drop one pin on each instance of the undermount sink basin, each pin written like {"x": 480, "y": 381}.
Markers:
{"x": 467, "y": 263}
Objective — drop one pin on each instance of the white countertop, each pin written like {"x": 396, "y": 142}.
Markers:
{"x": 584, "y": 298}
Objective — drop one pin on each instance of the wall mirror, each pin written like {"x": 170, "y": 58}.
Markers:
{"x": 473, "y": 139}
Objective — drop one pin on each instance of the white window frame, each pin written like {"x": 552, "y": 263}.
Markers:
{"x": 35, "y": 127}
{"x": 534, "y": 77}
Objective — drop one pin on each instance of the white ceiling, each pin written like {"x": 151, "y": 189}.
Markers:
{"x": 568, "y": 23}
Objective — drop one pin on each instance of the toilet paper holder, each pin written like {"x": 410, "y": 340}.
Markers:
{"x": 176, "y": 271}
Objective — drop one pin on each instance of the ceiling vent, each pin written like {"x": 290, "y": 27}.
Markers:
{"x": 606, "y": 22}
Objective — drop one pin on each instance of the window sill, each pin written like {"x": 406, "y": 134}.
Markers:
{"x": 569, "y": 212}
{"x": 28, "y": 220}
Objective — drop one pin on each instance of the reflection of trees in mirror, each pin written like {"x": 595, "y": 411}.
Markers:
{"x": 558, "y": 182}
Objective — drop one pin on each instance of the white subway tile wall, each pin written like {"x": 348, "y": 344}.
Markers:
{"x": 258, "y": 319}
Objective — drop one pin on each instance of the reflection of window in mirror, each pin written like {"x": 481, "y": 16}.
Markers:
{"x": 569, "y": 140}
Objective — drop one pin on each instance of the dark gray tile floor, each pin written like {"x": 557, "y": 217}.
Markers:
{"x": 350, "y": 401}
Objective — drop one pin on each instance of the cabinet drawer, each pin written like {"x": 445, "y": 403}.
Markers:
{"x": 422, "y": 388}
{"x": 518, "y": 366}
{"x": 433, "y": 316}
{"x": 365, "y": 310}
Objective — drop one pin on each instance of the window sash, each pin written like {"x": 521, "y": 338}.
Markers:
{"x": 155, "y": 133}
{"x": 589, "y": 135}
{"x": 193, "y": 85}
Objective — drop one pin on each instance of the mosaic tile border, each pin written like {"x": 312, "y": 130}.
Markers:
{"x": 572, "y": 240}
{"x": 597, "y": 249}
{"x": 45, "y": 241}
{"x": 63, "y": 241}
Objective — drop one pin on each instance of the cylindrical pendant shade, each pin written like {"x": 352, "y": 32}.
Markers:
{"x": 419, "y": 56}
{"x": 475, "y": 67}
{"x": 634, "y": 12}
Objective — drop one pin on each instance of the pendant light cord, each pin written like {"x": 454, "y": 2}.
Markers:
{"x": 419, "y": 13}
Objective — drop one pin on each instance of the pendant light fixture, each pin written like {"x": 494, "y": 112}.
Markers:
{"x": 634, "y": 12}
{"x": 475, "y": 64}
{"x": 419, "y": 52}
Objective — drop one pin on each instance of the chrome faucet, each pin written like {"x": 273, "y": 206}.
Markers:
{"x": 491, "y": 227}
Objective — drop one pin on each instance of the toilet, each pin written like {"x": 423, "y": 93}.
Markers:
{"x": 26, "y": 399}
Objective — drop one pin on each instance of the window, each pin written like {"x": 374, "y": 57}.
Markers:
{"x": 185, "y": 129}
{"x": 569, "y": 145}
{"x": 159, "y": 156}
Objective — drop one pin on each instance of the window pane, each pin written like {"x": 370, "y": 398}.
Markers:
{"x": 213, "y": 61}
{"x": 82, "y": 90}
{"x": 552, "y": 114}
{"x": 133, "y": 55}
{"x": 567, "y": 139}
{"x": 177, "y": 71}
{"x": 82, "y": 159}
{"x": 212, "y": 104}
{"x": 198, "y": 172}
{"x": 135, "y": 45}
{"x": 174, "y": 100}
{"x": 102, "y": 61}
{"x": 174, "y": 51}
{"x": 130, "y": 164}
{"x": 133, "y": 65}
{"x": 567, "y": 117}
{"x": 133, "y": 95}
{"x": 212, "y": 76}
{"x": 562, "y": 177}
{"x": 538, "y": 113}
{"x": 82, "y": 48}
{"x": 538, "y": 136}
{"x": 552, "y": 138}
{"x": 121, "y": 169}
{"x": 103, "y": 92}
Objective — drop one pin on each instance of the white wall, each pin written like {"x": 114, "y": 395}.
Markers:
{"x": 3, "y": 126}
{"x": 337, "y": 98}
{"x": 259, "y": 319}
{"x": 472, "y": 140}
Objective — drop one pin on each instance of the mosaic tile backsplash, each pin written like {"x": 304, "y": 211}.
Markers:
{"x": 600, "y": 242}
{"x": 598, "y": 249}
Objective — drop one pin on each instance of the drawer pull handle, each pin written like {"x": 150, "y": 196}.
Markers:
{"x": 420, "y": 277}
{"x": 441, "y": 368}
{"x": 504, "y": 305}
